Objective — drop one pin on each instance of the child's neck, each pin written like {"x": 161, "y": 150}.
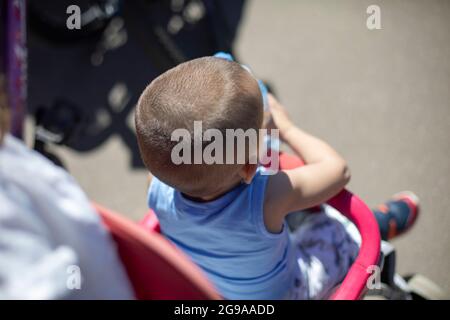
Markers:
{"x": 213, "y": 196}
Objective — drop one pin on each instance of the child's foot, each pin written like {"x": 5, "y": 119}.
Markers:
{"x": 397, "y": 215}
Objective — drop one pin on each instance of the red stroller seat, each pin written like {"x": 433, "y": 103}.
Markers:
{"x": 156, "y": 269}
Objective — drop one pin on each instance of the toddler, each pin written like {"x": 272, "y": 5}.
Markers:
{"x": 229, "y": 218}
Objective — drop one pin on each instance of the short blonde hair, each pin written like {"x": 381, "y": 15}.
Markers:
{"x": 220, "y": 93}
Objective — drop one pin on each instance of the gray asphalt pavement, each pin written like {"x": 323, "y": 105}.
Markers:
{"x": 380, "y": 97}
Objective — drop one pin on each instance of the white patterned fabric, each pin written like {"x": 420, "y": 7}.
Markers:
{"x": 326, "y": 244}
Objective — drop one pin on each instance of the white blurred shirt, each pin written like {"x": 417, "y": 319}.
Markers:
{"x": 50, "y": 235}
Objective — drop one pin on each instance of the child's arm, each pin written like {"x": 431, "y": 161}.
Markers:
{"x": 323, "y": 176}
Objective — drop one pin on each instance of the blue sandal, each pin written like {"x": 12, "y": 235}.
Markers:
{"x": 398, "y": 215}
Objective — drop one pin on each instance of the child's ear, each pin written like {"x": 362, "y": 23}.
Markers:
{"x": 247, "y": 172}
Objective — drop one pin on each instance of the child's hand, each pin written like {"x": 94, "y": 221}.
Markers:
{"x": 323, "y": 176}
{"x": 279, "y": 118}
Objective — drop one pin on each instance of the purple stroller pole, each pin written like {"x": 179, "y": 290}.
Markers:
{"x": 14, "y": 59}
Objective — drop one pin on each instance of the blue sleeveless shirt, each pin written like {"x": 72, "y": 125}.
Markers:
{"x": 228, "y": 239}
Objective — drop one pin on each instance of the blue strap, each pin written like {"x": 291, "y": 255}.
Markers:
{"x": 262, "y": 86}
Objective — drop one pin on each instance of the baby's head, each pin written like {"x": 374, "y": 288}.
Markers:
{"x": 219, "y": 93}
